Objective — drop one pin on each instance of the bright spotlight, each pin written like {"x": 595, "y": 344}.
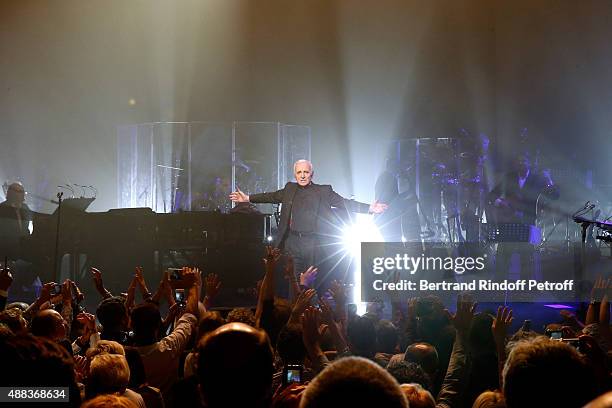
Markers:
{"x": 269, "y": 238}
{"x": 404, "y": 239}
{"x": 363, "y": 229}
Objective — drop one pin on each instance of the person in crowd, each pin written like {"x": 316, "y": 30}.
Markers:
{"x": 353, "y": 381}
{"x": 13, "y": 319}
{"x": 138, "y": 380}
{"x": 409, "y": 373}
{"x": 235, "y": 357}
{"x": 542, "y": 372}
{"x": 387, "y": 337}
{"x": 490, "y": 399}
{"x": 110, "y": 374}
{"x": 417, "y": 396}
{"x": 161, "y": 355}
{"x": 32, "y": 361}
{"x": 209, "y": 321}
{"x": 109, "y": 400}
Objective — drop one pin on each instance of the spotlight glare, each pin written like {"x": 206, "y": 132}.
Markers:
{"x": 269, "y": 238}
{"x": 363, "y": 229}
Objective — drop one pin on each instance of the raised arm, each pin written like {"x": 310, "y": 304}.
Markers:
{"x": 456, "y": 375}
{"x": 274, "y": 198}
{"x": 289, "y": 271}
{"x": 336, "y": 200}
{"x": 96, "y": 275}
{"x": 500, "y": 326}
{"x": 266, "y": 292}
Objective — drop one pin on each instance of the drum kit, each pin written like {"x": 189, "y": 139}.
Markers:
{"x": 454, "y": 184}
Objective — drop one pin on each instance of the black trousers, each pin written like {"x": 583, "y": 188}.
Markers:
{"x": 303, "y": 248}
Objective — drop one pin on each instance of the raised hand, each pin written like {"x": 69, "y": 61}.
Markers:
{"x": 191, "y": 276}
{"x": 272, "y": 256}
{"x": 66, "y": 292}
{"x": 501, "y": 324}
{"x": 310, "y": 331}
{"x": 45, "y": 292}
{"x": 212, "y": 284}
{"x": 308, "y": 277}
{"x": 377, "y": 207}
{"x": 464, "y": 315}
{"x": 89, "y": 323}
{"x": 96, "y": 275}
{"x": 139, "y": 277}
{"x": 79, "y": 296}
{"x": 239, "y": 197}
{"x": 302, "y": 302}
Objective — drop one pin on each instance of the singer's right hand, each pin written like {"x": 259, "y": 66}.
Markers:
{"x": 239, "y": 197}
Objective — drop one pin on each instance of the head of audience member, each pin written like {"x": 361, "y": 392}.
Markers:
{"x": 541, "y": 372}
{"x": 425, "y": 355}
{"x": 362, "y": 336}
{"x": 490, "y": 399}
{"x": 105, "y": 347}
{"x": 603, "y": 401}
{"x": 15, "y": 195}
{"x": 17, "y": 305}
{"x": 109, "y": 400}
{"x": 31, "y": 361}
{"x": 353, "y": 381}
{"x": 50, "y": 324}
{"x": 235, "y": 367}
{"x": 290, "y": 345}
{"x": 146, "y": 323}
{"x": 520, "y": 336}
{"x": 108, "y": 374}
{"x": 241, "y": 315}
{"x": 417, "y": 396}
{"x": 208, "y": 322}
{"x": 14, "y": 320}
{"x": 409, "y": 373}
{"x": 113, "y": 316}
{"x": 387, "y": 336}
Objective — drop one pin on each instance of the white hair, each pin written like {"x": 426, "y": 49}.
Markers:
{"x": 303, "y": 161}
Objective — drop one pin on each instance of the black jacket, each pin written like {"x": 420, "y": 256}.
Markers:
{"x": 328, "y": 199}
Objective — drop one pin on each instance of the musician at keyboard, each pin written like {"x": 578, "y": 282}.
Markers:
{"x": 514, "y": 198}
{"x": 15, "y": 216}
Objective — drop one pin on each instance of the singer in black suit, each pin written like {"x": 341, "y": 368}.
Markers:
{"x": 306, "y": 213}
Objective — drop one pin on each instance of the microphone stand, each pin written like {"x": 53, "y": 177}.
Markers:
{"x": 56, "y": 269}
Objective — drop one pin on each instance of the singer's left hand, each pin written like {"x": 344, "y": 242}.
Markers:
{"x": 378, "y": 208}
